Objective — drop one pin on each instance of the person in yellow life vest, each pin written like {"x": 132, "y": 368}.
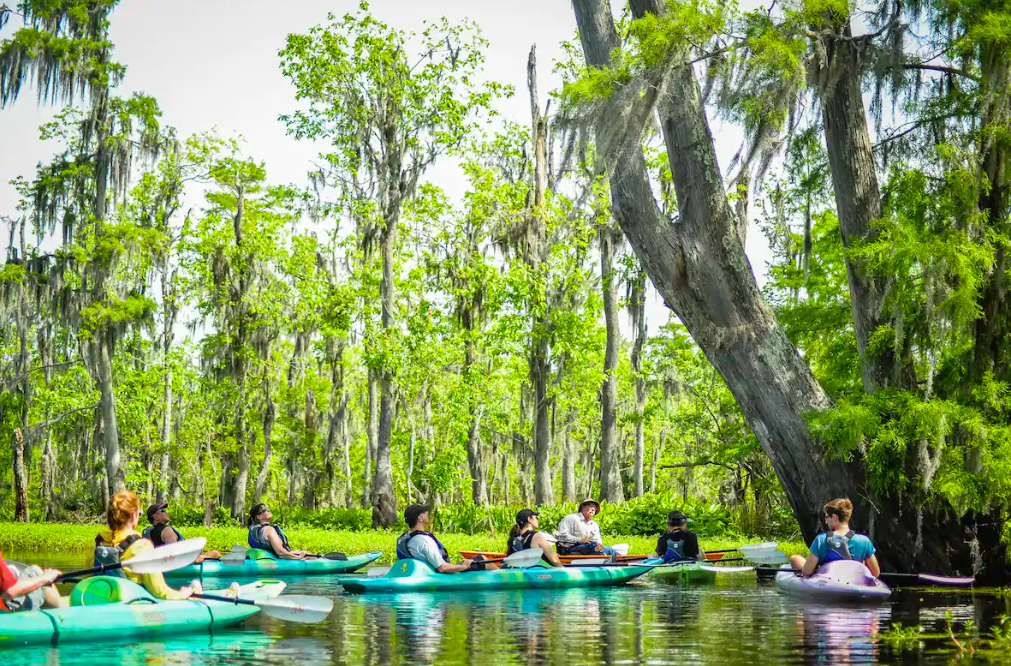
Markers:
{"x": 121, "y": 541}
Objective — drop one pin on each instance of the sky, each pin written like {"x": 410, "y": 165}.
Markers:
{"x": 213, "y": 64}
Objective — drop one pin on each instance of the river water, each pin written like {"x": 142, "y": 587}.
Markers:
{"x": 737, "y": 621}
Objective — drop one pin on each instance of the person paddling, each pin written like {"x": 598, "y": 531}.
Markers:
{"x": 269, "y": 537}
{"x": 418, "y": 544}
{"x": 678, "y": 542}
{"x": 524, "y": 535}
{"x": 121, "y": 541}
{"x": 839, "y": 543}
{"x": 29, "y": 588}
{"x": 579, "y": 534}
{"x": 161, "y": 532}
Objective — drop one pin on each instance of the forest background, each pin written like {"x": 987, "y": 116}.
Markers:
{"x": 177, "y": 322}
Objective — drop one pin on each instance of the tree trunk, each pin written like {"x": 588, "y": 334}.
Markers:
{"x": 373, "y": 438}
{"x": 700, "y": 269}
{"x": 110, "y": 426}
{"x": 569, "y": 460}
{"x": 168, "y": 314}
{"x": 269, "y": 416}
{"x": 610, "y": 456}
{"x": 637, "y": 311}
{"x": 858, "y": 203}
{"x": 655, "y": 461}
{"x": 478, "y": 474}
{"x": 20, "y": 477}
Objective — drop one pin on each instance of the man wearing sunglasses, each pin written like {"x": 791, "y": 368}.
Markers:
{"x": 161, "y": 532}
{"x": 269, "y": 537}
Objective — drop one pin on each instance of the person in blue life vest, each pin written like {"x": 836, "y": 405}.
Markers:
{"x": 418, "y": 544}
{"x": 161, "y": 532}
{"x": 678, "y": 542}
{"x": 839, "y": 543}
{"x": 524, "y": 535}
{"x": 269, "y": 537}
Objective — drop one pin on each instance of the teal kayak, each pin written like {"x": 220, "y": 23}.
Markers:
{"x": 684, "y": 573}
{"x": 417, "y": 576}
{"x": 259, "y": 566}
{"x": 110, "y": 607}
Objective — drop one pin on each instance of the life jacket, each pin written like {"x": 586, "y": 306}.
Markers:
{"x": 837, "y": 547}
{"x": 106, "y": 555}
{"x": 405, "y": 539}
{"x": 520, "y": 542}
{"x": 257, "y": 540}
{"x": 154, "y": 532}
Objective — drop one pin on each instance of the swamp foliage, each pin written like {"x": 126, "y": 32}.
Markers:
{"x": 176, "y": 322}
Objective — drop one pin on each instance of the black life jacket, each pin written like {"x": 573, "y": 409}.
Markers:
{"x": 405, "y": 539}
{"x": 837, "y": 547}
{"x": 106, "y": 555}
{"x": 257, "y": 540}
{"x": 154, "y": 532}
{"x": 520, "y": 542}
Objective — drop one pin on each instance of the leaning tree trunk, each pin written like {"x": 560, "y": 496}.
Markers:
{"x": 858, "y": 203}
{"x": 610, "y": 459}
{"x": 700, "y": 269}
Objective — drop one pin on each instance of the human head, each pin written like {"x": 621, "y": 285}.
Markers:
{"x": 840, "y": 508}
{"x": 416, "y": 515}
{"x": 259, "y": 514}
{"x": 676, "y": 519}
{"x": 156, "y": 513}
{"x": 589, "y": 508}
{"x": 525, "y": 517}
{"x": 123, "y": 511}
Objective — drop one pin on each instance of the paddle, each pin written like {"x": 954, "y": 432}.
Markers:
{"x": 523, "y": 559}
{"x": 238, "y": 556}
{"x": 158, "y": 560}
{"x": 291, "y": 607}
{"x": 897, "y": 579}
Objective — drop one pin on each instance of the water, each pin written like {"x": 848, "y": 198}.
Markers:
{"x": 737, "y": 621}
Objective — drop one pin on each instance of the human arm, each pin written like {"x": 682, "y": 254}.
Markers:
{"x": 568, "y": 532}
{"x": 449, "y": 567}
{"x": 872, "y": 564}
{"x": 692, "y": 549}
{"x": 23, "y": 586}
{"x": 271, "y": 535}
{"x": 168, "y": 536}
{"x": 542, "y": 541}
{"x": 155, "y": 582}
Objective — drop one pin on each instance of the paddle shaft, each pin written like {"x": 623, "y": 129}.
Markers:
{"x": 87, "y": 572}
{"x": 231, "y": 600}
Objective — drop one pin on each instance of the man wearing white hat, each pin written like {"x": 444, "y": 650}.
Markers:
{"x": 579, "y": 534}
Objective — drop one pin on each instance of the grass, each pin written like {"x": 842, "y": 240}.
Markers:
{"x": 50, "y": 537}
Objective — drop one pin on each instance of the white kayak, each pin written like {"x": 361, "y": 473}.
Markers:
{"x": 844, "y": 580}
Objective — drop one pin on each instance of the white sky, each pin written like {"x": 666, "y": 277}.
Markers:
{"x": 213, "y": 64}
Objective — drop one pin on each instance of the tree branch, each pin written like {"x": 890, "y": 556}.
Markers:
{"x": 941, "y": 68}
{"x": 60, "y": 417}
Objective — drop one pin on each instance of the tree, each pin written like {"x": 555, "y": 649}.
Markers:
{"x": 388, "y": 115}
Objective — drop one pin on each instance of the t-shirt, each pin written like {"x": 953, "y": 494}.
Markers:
{"x": 691, "y": 549}
{"x": 423, "y": 547}
{"x": 860, "y": 547}
{"x": 7, "y": 579}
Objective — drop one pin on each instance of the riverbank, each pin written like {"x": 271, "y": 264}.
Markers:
{"x": 58, "y": 537}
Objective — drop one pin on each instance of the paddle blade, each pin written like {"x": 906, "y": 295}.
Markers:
{"x": 620, "y": 548}
{"x": 166, "y": 558}
{"x": 376, "y": 572}
{"x": 336, "y": 556}
{"x": 714, "y": 569}
{"x": 524, "y": 559}
{"x": 239, "y": 548}
{"x": 297, "y": 608}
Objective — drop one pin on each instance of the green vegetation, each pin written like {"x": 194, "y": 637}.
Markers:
{"x": 29, "y": 538}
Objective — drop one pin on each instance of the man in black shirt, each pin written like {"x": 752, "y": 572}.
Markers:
{"x": 678, "y": 543}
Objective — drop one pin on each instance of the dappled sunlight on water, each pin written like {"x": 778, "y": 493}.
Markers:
{"x": 736, "y": 621}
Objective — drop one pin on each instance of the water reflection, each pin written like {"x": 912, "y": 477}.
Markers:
{"x": 734, "y": 622}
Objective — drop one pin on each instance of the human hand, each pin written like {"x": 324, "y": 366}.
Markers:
{"x": 186, "y": 592}
{"x": 587, "y": 540}
{"x": 196, "y": 586}
{"x": 599, "y": 548}
{"x": 232, "y": 591}
{"x": 467, "y": 562}
{"x": 50, "y": 575}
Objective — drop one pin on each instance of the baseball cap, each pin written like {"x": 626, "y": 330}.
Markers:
{"x": 676, "y": 518}
{"x": 524, "y": 515}
{"x": 153, "y": 509}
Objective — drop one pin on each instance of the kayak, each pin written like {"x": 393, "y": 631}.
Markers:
{"x": 843, "y": 580}
{"x": 417, "y": 576}
{"x": 266, "y": 565}
{"x": 689, "y": 572}
{"x": 110, "y": 607}
{"x": 576, "y": 559}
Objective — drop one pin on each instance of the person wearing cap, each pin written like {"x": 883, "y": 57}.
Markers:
{"x": 418, "y": 544}
{"x": 264, "y": 535}
{"x": 524, "y": 535}
{"x": 678, "y": 542}
{"x": 160, "y": 532}
{"x": 579, "y": 534}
